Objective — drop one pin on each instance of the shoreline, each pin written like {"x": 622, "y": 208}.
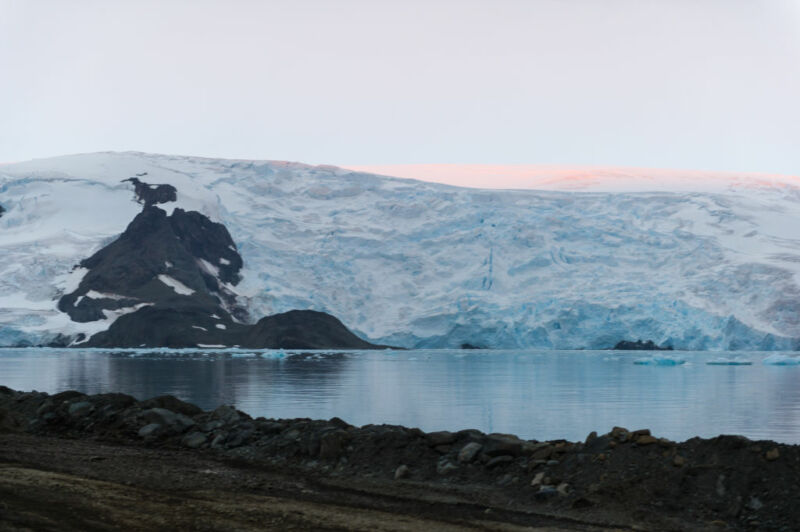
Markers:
{"x": 625, "y": 479}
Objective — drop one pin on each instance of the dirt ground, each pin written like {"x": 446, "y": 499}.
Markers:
{"x": 66, "y": 485}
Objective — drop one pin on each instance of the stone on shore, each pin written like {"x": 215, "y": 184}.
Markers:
{"x": 469, "y": 452}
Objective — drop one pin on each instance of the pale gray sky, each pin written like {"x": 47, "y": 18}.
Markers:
{"x": 698, "y": 84}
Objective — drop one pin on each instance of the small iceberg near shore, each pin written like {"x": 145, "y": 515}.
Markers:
{"x": 660, "y": 360}
{"x": 779, "y": 359}
{"x": 735, "y": 361}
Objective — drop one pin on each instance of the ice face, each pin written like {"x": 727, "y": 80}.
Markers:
{"x": 424, "y": 265}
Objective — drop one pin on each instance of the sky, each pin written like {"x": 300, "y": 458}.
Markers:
{"x": 685, "y": 84}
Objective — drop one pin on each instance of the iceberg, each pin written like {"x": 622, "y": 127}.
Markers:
{"x": 660, "y": 360}
{"x": 781, "y": 359}
{"x": 735, "y": 361}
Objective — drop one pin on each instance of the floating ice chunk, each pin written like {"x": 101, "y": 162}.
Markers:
{"x": 279, "y": 354}
{"x": 660, "y": 360}
{"x": 735, "y": 361}
{"x": 210, "y": 346}
{"x": 779, "y": 359}
{"x": 176, "y": 285}
{"x": 244, "y": 355}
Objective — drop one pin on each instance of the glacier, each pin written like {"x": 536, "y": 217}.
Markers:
{"x": 416, "y": 264}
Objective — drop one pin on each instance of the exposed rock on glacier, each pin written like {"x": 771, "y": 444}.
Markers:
{"x": 168, "y": 281}
{"x": 638, "y": 345}
{"x": 419, "y": 264}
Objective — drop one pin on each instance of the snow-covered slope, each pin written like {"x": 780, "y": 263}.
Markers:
{"x": 422, "y": 264}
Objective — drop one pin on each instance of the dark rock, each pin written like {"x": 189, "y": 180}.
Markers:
{"x": 152, "y": 194}
{"x": 167, "y": 418}
{"x": 238, "y": 438}
{"x": 445, "y": 466}
{"x": 226, "y": 414}
{"x": 193, "y": 440}
{"x": 339, "y": 423}
{"x": 2, "y": 211}
{"x": 499, "y": 460}
{"x": 500, "y": 444}
{"x": 441, "y": 437}
{"x": 546, "y": 492}
{"x": 402, "y": 472}
{"x": 638, "y": 345}
{"x": 470, "y": 346}
{"x": 302, "y": 329}
{"x": 332, "y": 444}
{"x": 149, "y": 430}
{"x": 170, "y": 402}
{"x": 185, "y": 249}
{"x": 80, "y": 408}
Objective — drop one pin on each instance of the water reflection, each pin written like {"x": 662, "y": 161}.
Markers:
{"x": 536, "y": 394}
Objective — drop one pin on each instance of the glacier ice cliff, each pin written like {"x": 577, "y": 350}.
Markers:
{"x": 417, "y": 264}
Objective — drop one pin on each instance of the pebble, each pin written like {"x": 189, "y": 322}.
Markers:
{"x": 678, "y": 461}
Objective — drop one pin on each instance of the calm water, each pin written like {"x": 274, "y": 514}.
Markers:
{"x": 535, "y": 394}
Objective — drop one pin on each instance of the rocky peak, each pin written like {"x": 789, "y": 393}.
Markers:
{"x": 177, "y": 261}
{"x": 148, "y": 194}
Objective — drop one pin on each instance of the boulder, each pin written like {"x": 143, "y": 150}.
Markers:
{"x": 80, "y": 408}
{"x": 149, "y": 430}
{"x": 502, "y": 444}
{"x": 193, "y": 440}
{"x": 441, "y": 437}
{"x": 402, "y": 472}
{"x": 469, "y": 452}
{"x": 169, "y": 419}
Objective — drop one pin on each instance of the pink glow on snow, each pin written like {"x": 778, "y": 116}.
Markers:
{"x": 590, "y": 178}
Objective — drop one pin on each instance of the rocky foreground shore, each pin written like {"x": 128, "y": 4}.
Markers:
{"x": 70, "y": 461}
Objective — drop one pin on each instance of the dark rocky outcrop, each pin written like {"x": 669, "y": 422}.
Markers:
{"x": 2, "y": 210}
{"x": 302, "y": 329}
{"x": 171, "y": 278}
{"x": 152, "y": 194}
{"x": 471, "y": 346}
{"x": 185, "y": 249}
{"x": 638, "y": 345}
{"x": 191, "y": 327}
